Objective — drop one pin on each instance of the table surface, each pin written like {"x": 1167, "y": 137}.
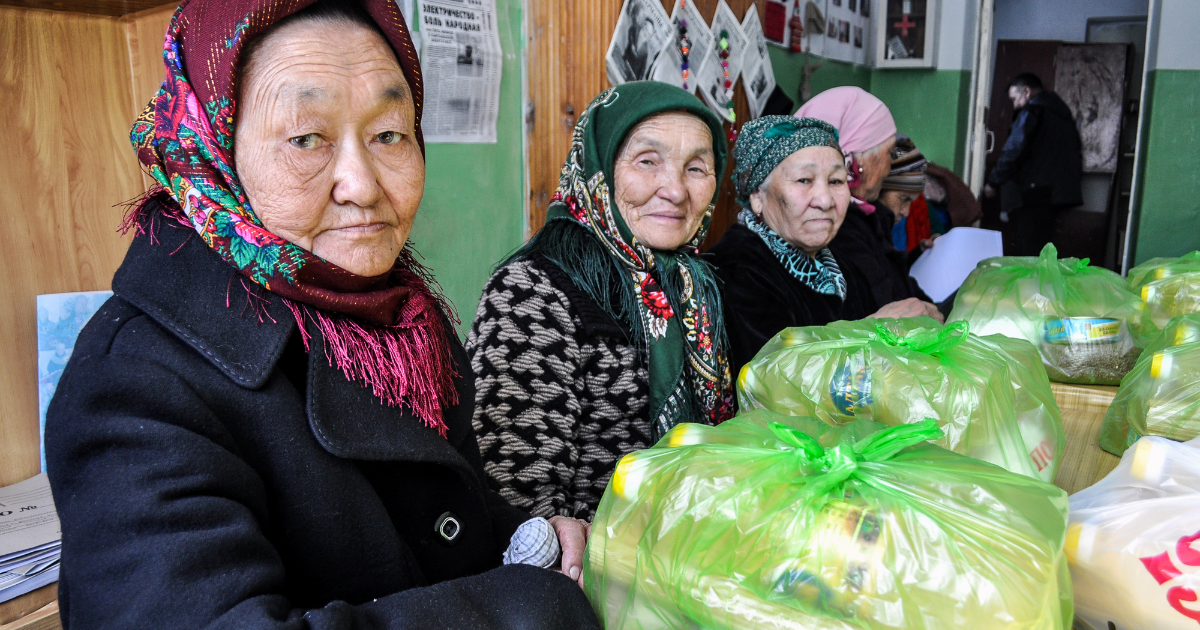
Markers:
{"x": 1083, "y": 408}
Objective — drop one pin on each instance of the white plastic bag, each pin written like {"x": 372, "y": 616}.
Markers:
{"x": 1133, "y": 543}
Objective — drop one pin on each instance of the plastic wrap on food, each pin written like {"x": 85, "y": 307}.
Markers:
{"x": 784, "y": 522}
{"x": 1134, "y": 541}
{"x": 989, "y": 394}
{"x": 1087, "y": 324}
{"x": 1161, "y": 394}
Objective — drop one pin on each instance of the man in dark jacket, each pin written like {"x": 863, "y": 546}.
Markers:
{"x": 1042, "y": 163}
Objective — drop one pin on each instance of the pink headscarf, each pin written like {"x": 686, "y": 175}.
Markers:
{"x": 862, "y": 120}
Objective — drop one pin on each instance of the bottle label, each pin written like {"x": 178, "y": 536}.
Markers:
{"x": 1072, "y": 330}
{"x": 850, "y": 387}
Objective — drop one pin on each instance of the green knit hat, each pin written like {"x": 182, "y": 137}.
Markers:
{"x": 769, "y": 140}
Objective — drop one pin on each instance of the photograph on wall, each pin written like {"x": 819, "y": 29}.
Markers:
{"x": 461, "y": 63}
{"x": 712, "y": 77}
{"x": 758, "y": 78}
{"x": 847, "y": 32}
{"x": 668, "y": 67}
{"x": 643, "y": 28}
{"x": 904, "y": 29}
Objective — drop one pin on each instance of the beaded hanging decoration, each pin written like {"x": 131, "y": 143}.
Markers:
{"x": 728, "y": 85}
{"x": 684, "y": 44}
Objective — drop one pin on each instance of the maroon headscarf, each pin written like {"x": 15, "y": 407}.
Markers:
{"x": 389, "y": 331}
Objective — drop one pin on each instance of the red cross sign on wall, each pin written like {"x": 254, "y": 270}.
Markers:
{"x": 904, "y": 25}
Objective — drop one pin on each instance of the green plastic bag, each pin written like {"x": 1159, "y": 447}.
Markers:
{"x": 1085, "y": 321}
{"x": 1169, "y": 286}
{"x": 783, "y": 522}
{"x": 989, "y": 394}
{"x": 1161, "y": 394}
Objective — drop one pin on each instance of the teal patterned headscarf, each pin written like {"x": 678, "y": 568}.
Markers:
{"x": 765, "y": 142}
{"x": 762, "y": 145}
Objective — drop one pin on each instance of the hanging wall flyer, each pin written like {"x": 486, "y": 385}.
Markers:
{"x": 643, "y": 28}
{"x": 669, "y": 66}
{"x": 758, "y": 76}
{"x": 712, "y": 78}
{"x": 460, "y": 64}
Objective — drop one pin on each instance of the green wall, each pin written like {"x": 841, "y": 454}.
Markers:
{"x": 473, "y": 211}
{"x": 930, "y": 106}
{"x": 1169, "y": 221}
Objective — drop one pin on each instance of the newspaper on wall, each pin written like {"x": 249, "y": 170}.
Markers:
{"x": 668, "y": 68}
{"x": 712, "y": 76}
{"x": 758, "y": 77}
{"x": 461, "y": 65}
{"x": 643, "y": 29}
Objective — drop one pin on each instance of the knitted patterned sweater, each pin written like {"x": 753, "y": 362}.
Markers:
{"x": 561, "y": 393}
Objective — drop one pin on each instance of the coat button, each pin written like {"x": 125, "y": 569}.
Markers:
{"x": 448, "y": 528}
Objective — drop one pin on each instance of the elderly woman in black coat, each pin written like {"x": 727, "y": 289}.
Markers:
{"x": 775, "y": 263}
{"x": 269, "y": 424}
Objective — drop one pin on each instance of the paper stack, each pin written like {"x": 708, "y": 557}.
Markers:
{"x": 30, "y": 537}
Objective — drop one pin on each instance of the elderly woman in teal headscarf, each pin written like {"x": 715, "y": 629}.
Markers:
{"x": 605, "y": 330}
{"x": 775, "y": 264}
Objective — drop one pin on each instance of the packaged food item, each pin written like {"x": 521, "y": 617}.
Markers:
{"x": 1169, "y": 286}
{"x": 1159, "y": 268}
{"x": 785, "y": 522}
{"x": 1134, "y": 541}
{"x": 989, "y": 394}
{"x": 1161, "y": 394}
{"x": 1086, "y": 322}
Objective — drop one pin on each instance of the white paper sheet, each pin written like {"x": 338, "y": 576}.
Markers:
{"x": 643, "y": 29}
{"x": 27, "y": 515}
{"x": 758, "y": 77}
{"x": 667, "y": 67}
{"x": 944, "y": 267}
{"x": 461, "y": 65}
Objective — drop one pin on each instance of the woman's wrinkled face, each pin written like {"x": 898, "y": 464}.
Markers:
{"x": 876, "y": 163}
{"x": 804, "y": 199}
{"x": 665, "y": 177}
{"x": 326, "y": 146}
{"x": 898, "y": 201}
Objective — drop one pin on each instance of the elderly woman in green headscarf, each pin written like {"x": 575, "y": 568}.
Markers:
{"x": 775, "y": 264}
{"x": 605, "y": 330}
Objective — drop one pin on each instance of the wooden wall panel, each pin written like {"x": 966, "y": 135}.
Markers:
{"x": 67, "y": 110}
{"x": 145, "y": 32}
{"x": 567, "y": 42}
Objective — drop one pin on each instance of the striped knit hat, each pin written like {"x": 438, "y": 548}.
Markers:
{"x": 908, "y": 167}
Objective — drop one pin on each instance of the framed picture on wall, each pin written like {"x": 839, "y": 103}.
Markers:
{"x": 905, "y": 31}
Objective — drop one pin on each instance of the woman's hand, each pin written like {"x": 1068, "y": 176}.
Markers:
{"x": 928, "y": 242}
{"x": 911, "y": 307}
{"x": 572, "y": 537}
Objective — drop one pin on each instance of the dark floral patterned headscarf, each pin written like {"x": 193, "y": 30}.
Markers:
{"x": 668, "y": 300}
{"x": 388, "y": 332}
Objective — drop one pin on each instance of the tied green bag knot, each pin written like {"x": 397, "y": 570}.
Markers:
{"x": 841, "y": 462}
{"x": 927, "y": 341}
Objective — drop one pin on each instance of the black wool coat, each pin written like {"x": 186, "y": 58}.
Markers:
{"x": 209, "y": 473}
{"x": 866, "y": 241}
{"x": 761, "y": 298}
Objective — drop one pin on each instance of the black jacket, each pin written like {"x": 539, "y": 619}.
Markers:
{"x": 761, "y": 298}
{"x": 210, "y": 474}
{"x": 866, "y": 241}
{"x": 1043, "y": 151}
